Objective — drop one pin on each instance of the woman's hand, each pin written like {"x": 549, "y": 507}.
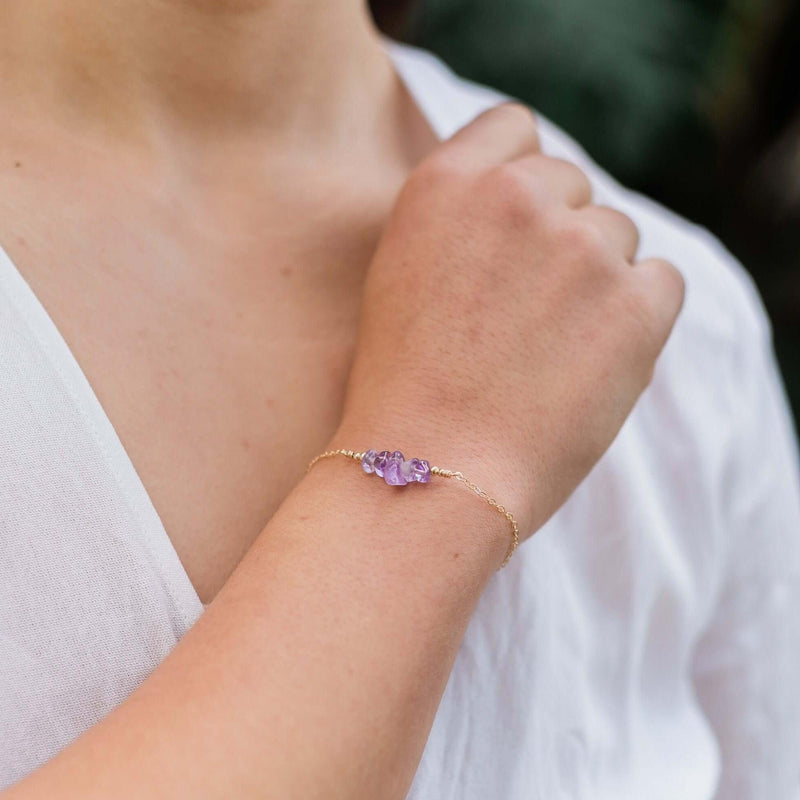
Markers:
{"x": 506, "y": 330}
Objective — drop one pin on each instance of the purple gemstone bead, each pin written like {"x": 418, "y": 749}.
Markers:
{"x": 393, "y": 470}
{"x": 407, "y": 469}
{"x": 417, "y": 470}
{"x": 368, "y": 461}
{"x": 379, "y": 462}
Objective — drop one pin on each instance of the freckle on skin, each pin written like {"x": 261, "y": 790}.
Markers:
{"x": 456, "y": 555}
{"x": 286, "y": 271}
{"x": 17, "y": 163}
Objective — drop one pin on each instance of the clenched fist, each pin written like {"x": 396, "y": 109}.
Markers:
{"x": 507, "y": 330}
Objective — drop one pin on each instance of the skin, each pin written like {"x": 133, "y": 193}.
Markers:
{"x": 182, "y": 236}
{"x": 317, "y": 670}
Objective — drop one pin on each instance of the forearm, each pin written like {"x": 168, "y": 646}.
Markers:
{"x": 317, "y": 670}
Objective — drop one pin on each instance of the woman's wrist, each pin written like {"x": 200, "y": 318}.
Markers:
{"x": 437, "y": 446}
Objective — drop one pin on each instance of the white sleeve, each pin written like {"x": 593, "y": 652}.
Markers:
{"x": 747, "y": 664}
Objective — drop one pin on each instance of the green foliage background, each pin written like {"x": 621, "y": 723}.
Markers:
{"x": 695, "y": 102}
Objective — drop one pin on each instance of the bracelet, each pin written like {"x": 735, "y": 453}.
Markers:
{"x": 397, "y": 471}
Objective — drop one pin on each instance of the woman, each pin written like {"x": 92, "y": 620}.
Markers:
{"x": 234, "y": 240}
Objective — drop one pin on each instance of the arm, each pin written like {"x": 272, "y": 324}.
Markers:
{"x": 317, "y": 670}
{"x": 498, "y": 301}
{"x": 748, "y": 662}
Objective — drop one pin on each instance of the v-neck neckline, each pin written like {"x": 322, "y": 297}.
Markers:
{"x": 152, "y": 534}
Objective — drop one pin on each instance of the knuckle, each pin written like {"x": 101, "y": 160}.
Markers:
{"x": 627, "y": 233}
{"x": 639, "y": 319}
{"x": 675, "y": 282}
{"x": 664, "y": 297}
{"x": 437, "y": 170}
{"x": 622, "y": 219}
{"x": 584, "y": 241}
{"x": 574, "y": 173}
{"x": 634, "y": 228}
{"x": 515, "y": 113}
{"x": 509, "y": 189}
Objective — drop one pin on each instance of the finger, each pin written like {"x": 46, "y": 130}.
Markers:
{"x": 618, "y": 229}
{"x": 557, "y": 179}
{"x": 661, "y": 289}
{"x": 503, "y": 133}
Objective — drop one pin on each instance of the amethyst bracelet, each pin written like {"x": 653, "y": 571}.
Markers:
{"x": 396, "y": 470}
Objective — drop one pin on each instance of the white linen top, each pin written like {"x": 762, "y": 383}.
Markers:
{"x": 644, "y": 644}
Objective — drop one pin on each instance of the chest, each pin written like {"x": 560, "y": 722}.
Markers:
{"x": 218, "y": 348}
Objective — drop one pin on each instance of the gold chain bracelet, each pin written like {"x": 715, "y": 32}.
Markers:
{"x": 397, "y": 471}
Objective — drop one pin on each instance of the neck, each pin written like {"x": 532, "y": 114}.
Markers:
{"x": 216, "y": 70}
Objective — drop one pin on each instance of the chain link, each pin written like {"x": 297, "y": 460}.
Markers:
{"x": 445, "y": 473}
